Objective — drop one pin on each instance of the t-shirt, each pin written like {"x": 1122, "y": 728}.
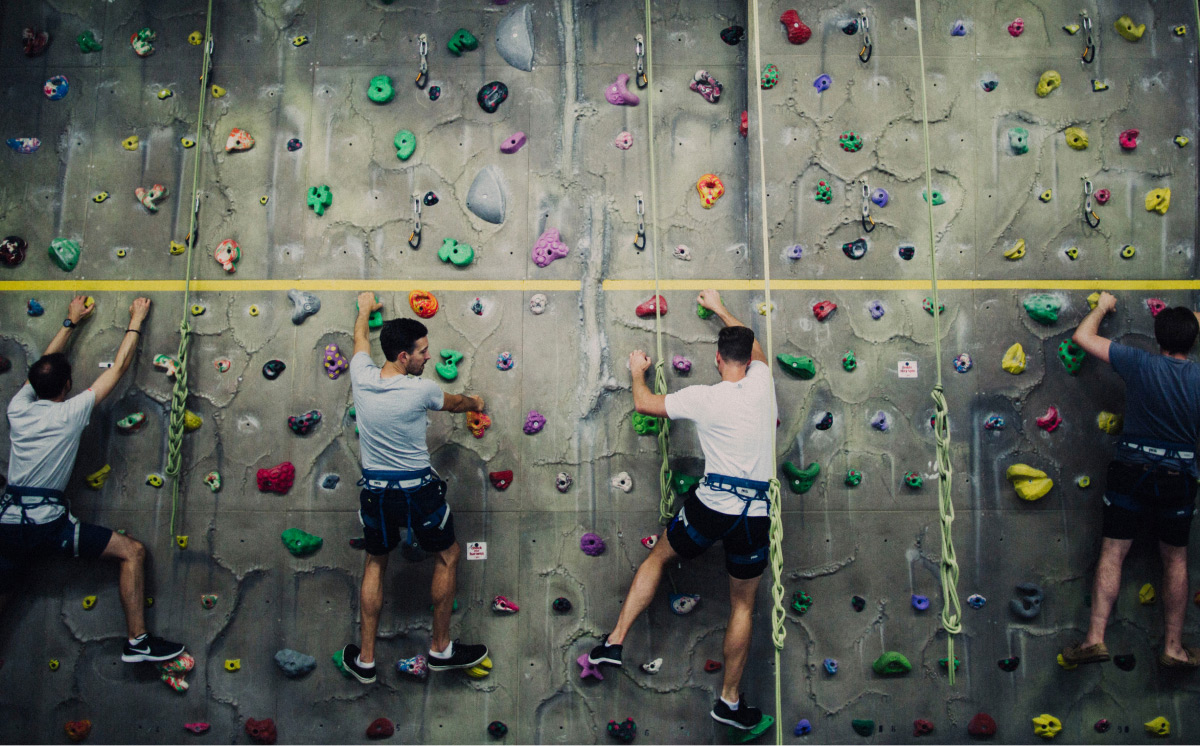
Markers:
{"x": 735, "y": 422}
{"x": 1162, "y": 395}
{"x": 391, "y": 416}
{"x": 44, "y": 440}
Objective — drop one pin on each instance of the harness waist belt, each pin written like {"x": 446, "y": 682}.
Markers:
{"x": 395, "y": 479}
{"x": 747, "y": 489}
{"x": 15, "y": 494}
{"x": 1162, "y": 450}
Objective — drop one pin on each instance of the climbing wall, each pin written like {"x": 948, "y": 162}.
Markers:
{"x": 302, "y": 71}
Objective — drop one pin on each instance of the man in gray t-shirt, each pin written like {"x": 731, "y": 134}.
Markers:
{"x": 1151, "y": 485}
{"x": 401, "y": 495}
{"x": 45, "y": 427}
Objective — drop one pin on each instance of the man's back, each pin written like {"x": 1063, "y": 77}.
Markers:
{"x": 44, "y": 437}
{"x": 1162, "y": 395}
{"x": 391, "y": 416}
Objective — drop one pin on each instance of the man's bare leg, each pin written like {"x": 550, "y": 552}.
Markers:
{"x": 445, "y": 583}
{"x": 737, "y": 634}
{"x": 371, "y": 604}
{"x": 1106, "y": 586}
{"x": 131, "y": 556}
{"x": 1175, "y": 591}
{"x": 645, "y": 585}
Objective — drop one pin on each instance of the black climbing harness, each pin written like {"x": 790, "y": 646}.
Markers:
{"x": 1157, "y": 457}
{"x": 1089, "y": 46}
{"x": 639, "y": 241}
{"x": 408, "y": 483}
{"x": 414, "y": 238}
{"x": 746, "y": 490}
{"x": 1089, "y": 215}
{"x": 24, "y": 498}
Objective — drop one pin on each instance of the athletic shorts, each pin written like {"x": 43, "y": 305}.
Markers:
{"x": 387, "y": 515}
{"x": 1165, "y": 501}
{"x": 696, "y": 527}
{"x": 62, "y": 537}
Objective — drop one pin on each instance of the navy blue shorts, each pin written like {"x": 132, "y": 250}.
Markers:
{"x": 1157, "y": 501}
{"x": 696, "y": 527}
{"x": 386, "y": 516}
{"x": 62, "y": 537}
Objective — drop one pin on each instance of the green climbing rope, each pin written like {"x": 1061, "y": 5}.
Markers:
{"x": 179, "y": 394}
{"x": 951, "y": 608}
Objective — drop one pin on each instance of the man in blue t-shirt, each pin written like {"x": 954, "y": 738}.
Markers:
{"x": 1152, "y": 478}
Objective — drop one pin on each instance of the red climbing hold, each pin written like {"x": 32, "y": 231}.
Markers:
{"x": 277, "y": 479}
{"x": 712, "y": 666}
{"x": 744, "y": 127}
{"x": 261, "y": 731}
{"x": 982, "y": 726}
{"x": 381, "y": 728}
{"x": 77, "y": 730}
{"x": 922, "y": 727}
{"x": 797, "y": 32}
{"x": 501, "y": 480}
{"x": 647, "y": 308}
{"x": 823, "y": 309}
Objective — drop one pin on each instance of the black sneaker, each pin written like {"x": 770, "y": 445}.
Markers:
{"x": 350, "y": 662}
{"x": 464, "y": 656}
{"x": 744, "y": 717}
{"x": 152, "y": 649}
{"x": 602, "y": 653}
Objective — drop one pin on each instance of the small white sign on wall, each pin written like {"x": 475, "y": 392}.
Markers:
{"x": 907, "y": 368}
{"x": 477, "y": 550}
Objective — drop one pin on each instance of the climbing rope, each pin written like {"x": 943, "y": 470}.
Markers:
{"x": 951, "y": 609}
{"x": 778, "y": 613}
{"x": 179, "y": 394}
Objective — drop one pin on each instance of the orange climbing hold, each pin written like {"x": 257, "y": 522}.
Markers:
{"x": 77, "y": 730}
{"x": 478, "y": 423}
{"x": 423, "y": 303}
{"x": 710, "y": 188}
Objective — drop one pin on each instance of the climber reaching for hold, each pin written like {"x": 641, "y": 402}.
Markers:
{"x": 1152, "y": 479}
{"x": 402, "y": 499}
{"x": 735, "y": 420}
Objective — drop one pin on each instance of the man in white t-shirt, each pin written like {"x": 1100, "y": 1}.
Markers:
{"x": 401, "y": 493}
{"x": 35, "y": 516}
{"x": 735, "y": 421}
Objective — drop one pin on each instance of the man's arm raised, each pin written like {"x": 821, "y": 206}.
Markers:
{"x": 711, "y": 300}
{"x": 107, "y": 381}
{"x": 1087, "y": 334}
{"x": 644, "y": 400}
{"x": 362, "y": 331}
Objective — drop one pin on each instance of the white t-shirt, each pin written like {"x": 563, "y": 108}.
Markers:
{"x": 44, "y": 440}
{"x": 735, "y": 423}
{"x": 391, "y": 416}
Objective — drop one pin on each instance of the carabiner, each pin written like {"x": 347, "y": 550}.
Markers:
{"x": 639, "y": 49}
{"x": 639, "y": 241}
{"x": 1089, "y": 47}
{"x": 864, "y": 54}
{"x": 414, "y": 238}
{"x": 868, "y": 223}
{"x": 1089, "y": 215}
{"x": 423, "y": 72}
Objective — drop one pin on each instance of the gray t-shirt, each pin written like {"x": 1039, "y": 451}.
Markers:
{"x": 1162, "y": 395}
{"x": 44, "y": 438}
{"x": 391, "y": 416}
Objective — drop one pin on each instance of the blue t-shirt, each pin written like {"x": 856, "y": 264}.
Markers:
{"x": 1162, "y": 395}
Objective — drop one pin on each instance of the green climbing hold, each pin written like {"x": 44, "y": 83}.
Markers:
{"x": 458, "y": 254}
{"x": 1071, "y": 355}
{"x": 938, "y": 197}
{"x": 891, "y": 663}
{"x": 850, "y": 142}
{"x": 405, "y": 143}
{"x": 65, "y": 253}
{"x": 380, "y": 89}
{"x": 801, "y": 602}
{"x": 945, "y": 663}
{"x": 87, "y": 42}
{"x": 737, "y": 735}
{"x": 340, "y": 663}
{"x": 1043, "y": 308}
{"x": 461, "y": 40}
{"x": 299, "y": 542}
{"x": 849, "y": 362}
{"x": 448, "y": 368}
{"x": 319, "y": 197}
{"x": 853, "y": 478}
{"x": 824, "y": 193}
{"x": 912, "y": 480}
{"x": 645, "y": 424}
{"x": 682, "y": 484}
{"x": 801, "y": 480}
{"x": 863, "y": 728}
{"x": 703, "y": 312}
{"x": 798, "y": 365}
{"x": 374, "y": 321}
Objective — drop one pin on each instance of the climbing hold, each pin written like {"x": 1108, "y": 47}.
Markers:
{"x": 803, "y": 728}
{"x": 1156, "y": 306}
{"x": 618, "y": 94}
{"x": 239, "y": 139}
{"x": 657, "y": 304}
{"x": 591, "y": 544}
{"x": 549, "y": 247}
{"x": 824, "y": 193}
{"x": 233, "y": 664}
{"x": 830, "y": 665}
{"x": 300, "y": 543}
{"x": 187, "y": 142}
{"x": 797, "y": 32}
{"x": 501, "y": 480}
{"x": 1128, "y": 139}
{"x": 976, "y": 601}
{"x": 272, "y": 369}
{"x": 448, "y": 368}
{"x": 1046, "y": 196}
{"x": 261, "y": 731}
{"x": 416, "y": 667}
{"x": 1158, "y": 200}
{"x": 563, "y": 481}
{"x": 151, "y": 197}
{"x": 1127, "y": 29}
{"x": 96, "y": 479}
{"x": 1127, "y": 251}
{"x": 478, "y": 423}
{"x": 712, "y": 666}
{"x": 1180, "y": 30}
{"x": 380, "y": 89}
{"x": 1077, "y": 139}
{"x": 435, "y": 92}
{"x": 938, "y": 197}
{"x": 653, "y": 666}
{"x": 77, "y": 730}
{"x": 1009, "y": 664}
{"x": 881, "y": 421}
{"x": 770, "y": 77}
{"x": 1110, "y": 423}
{"x": 891, "y": 664}
{"x": 1043, "y": 308}
{"x": 197, "y": 728}
{"x": 681, "y": 364}
{"x": 405, "y": 143}
{"x": 962, "y": 362}
{"x": 319, "y": 198}
{"x": 1047, "y": 83}
{"x": 131, "y": 422}
{"x": 491, "y": 95}
{"x": 744, "y": 124}
{"x": 64, "y": 253}
{"x": 89, "y": 602}
{"x": 989, "y": 85}
{"x": 423, "y": 303}
{"x": 514, "y": 38}
{"x": 1051, "y": 420}
{"x": 209, "y": 600}
{"x": 504, "y": 361}
{"x": 1159, "y": 726}
{"x": 710, "y": 188}
{"x": 852, "y": 143}
{"x": 381, "y": 728}
{"x": 304, "y": 304}
{"x": 912, "y": 480}
{"x": 1014, "y": 359}
{"x": 994, "y": 422}
{"x": 486, "y": 197}
{"x": 461, "y": 41}
{"x": 683, "y": 604}
{"x": 330, "y": 481}
{"x": 213, "y": 481}
{"x": 294, "y": 664}
{"x": 534, "y": 422}
{"x": 853, "y": 478}
{"x": 87, "y": 42}
{"x": 1030, "y": 483}
{"x": 801, "y": 602}
{"x": 801, "y": 480}
{"x": 857, "y": 248}
{"x": 1181, "y": 141}
{"x": 863, "y": 727}
{"x": 732, "y": 35}
{"x": 624, "y": 140}
{"x": 822, "y": 83}
{"x": 1016, "y": 28}
{"x": 1125, "y": 662}
{"x": 822, "y": 309}
{"x": 561, "y": 605}
{"x": 24, "y": 145}
{"x": 1072, "y": 253}
{"x": 514, "y": 143}
{"x": 334, "y": 361}
{"x": 927, "y": 306}
{"x": 167, "y": 364}
{"x": 504, "y": 606}
{"x": 945, "y": 663}
{"x": 1083, "y": 482}
{"x": 876, "y": 310}
{"x": 1071, "y": 355}
{"x": 858, "y": 603}
{"x": 12, "y": 251}
{"x": 920, "y": 603}
{"x": 458, "y": 254}
{"x": 958, "y": 29}
{"x": 1102, "y": 725}
{"x": 1147, "y": 596}
{"x": 1046, "y": 726}
{"x": 849, "y": 362}
{"x": 922, "y": 727}
{"x": 644, "y": 424}
{"x": 277, "y": 479}
{"x": 825, "y": 422}
{"x": 1028, "y": 603}
{"x": 191, "y": 421}
{"x": 142, "y": 42}
{"x": 294, "y": 145}
{"x": 707, "y": 86}
{"x": 622, "y": 481}
{"x": 622, "y": 731}
{"x": 497, "y": 729}
{"x": 795, "y": 251}
{"x": 982, "y": 725}
{"x": 56, "y": 87}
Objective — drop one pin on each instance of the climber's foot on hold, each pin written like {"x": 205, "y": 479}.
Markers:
{"x": 605, "y": 653}
{"x": 744, "y": 717}
{"x": 151, "y": 649}
{"x": 350, "y": 664}
{"x": 457, "y": 655}
{"x": 1079, "y": 654}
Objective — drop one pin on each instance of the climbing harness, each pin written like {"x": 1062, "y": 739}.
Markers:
{"x": 639, "y": 48}
{"x": 14, "y": 496}
{"x": 1089, "y": 46}
{"x": 179, "y": 394}
{"x": 951, "y": 616}
{"x": 423, "y": 71}
{"x": 639, "y": 241}
{"x": 1089, "y": 215}
{"x": 414, "y": 238}
{"x": 746, "y": 490}
{"x": 867, "y": 223}
{"x": 408, "y": 483}
{"x": 864, "y": 54}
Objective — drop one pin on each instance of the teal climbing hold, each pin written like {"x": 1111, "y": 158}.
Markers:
{"x": 1043, "y": 308}
{"x": 448, "y": 368}
{"x": 801, "y": 480}
{"x": 458, "y": 254}
{"x": 319, "y": 197}
{"x": 405, "y": 143}
{"x": 800, "y": 366}
{"x": 737, "y": 735}
{"x": 863, "y": 727}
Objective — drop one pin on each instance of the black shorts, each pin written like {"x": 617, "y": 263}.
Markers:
{"x": 696, "y": 527}
{"x": 1158, "y": 501}
{"x": 62, "y": 537}
{"x": 387, "y": 515}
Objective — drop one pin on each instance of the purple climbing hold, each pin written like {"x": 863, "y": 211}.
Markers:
{"x": 822, "y": 83}
{"x": 976, "y": 601}
{"x": 831, "y": 666}
{"x": 875, "y": 308}
{"x": 591, "y": 544}
{"x": 618, "y": 94}
{"x": 490, "y": 96}
{"x": 920, "y": 603}
{"x": 549, "y": 247}
{"x": 880, "y": 197}
{"x": 534, "y": 422}
{"x": 294, "y": 144}
{"x": 958, "y": 29}
{"x": 880, "y": 421}
{"x": 681, "y": 364}
{"x": 513, "y": 143}
{"x": 795, "y": 251}
{"x": 803, "y": 728}
{"x": 589, "y": 669}
{"x": 435, "y": 92}
{"x": 962, "y": 362}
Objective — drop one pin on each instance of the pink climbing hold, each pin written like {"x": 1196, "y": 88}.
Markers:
{"x": 1016, "y": 28}
{"x": 589, "y": 668}
{"x": 648, "y": 308}
{"x": 823, "y": 309}
{"x": 549, "y": 247}
{"x": 744, "y": 127}
{"x": 681, "y": 364}
{"x": 797, "y": 32}
{"x": 514, "y": 143}
{"x": 174, "y": 670}
{"x": 534, "y": 422}
{"x": 277, "y": 479}
{"x": 1103, "y": 196}
{"x": 261, "y": 731}
{"x": 1128, "y": 139}
{"x": 504, "y": 606}
{"x": 335, "y": 362}
{"x": 1156, "y": 306}
{"x": 197, "y": 728}
{"x": 707, "y": 86}
{"x": 1051, "y": 420}
{"x": 624, "y": 140}
{"x": 618, "y": 94}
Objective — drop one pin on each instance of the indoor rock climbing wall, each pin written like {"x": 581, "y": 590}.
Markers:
{"x": 301, "y": 71}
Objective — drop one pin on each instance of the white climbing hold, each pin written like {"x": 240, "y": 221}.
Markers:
{"x": 623, "y": 482}
{"x": 653, "y": 666}
{"x": 485, "y": 198}
{"x": 514, "y": 38}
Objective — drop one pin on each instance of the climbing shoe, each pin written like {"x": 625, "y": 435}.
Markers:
{"x": 610, "y": 654}
{"x": 744, "y": 717}
{"x": 152, "y": 649}
{"x": 1193, "y": 659}
{"x": 464, "y": 656}
{"x": 1081, "y": 653}
{"x": 350, "y": 665}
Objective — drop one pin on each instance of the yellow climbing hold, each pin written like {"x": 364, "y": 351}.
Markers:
{"x": 96, "y": 479}
{"x": 299, "y": 41}
{"x": 1083, "y": 482}
{"x": 1046, "y": 726}
{"x": 1014, "y": 359}
{"x": 1147, "y": 596}
{"x": 178, "y": 248}
{"x": 218, "y": 91}
{"x": 762, "y": 308}
{"x": 1127, "y": 251}
{"x": 1045, "y": 196}
{"x": 187, "y": 142}
{"x": 191, "y": 421}
{"x": 1072, "y": 253}
{"x": 1066, "y": 666}
{"x": 196, "y": 38}
{"x": 121, "y": 253}
{"x": 154, "y": 480}
{"x": 1099, "y": 85}
{"x": 253, "y": 310}
{"x": 233, "y": 664}
{"x": 1182, "y": 140}
{"x": 1159, "y": 726}
{"x": 1030, "y": 483}
{"x": 1093, "y": 299}
{"x": 1180, "y": 30}
{"x": 1048, "y": 82}
{"x": 198, "y": 310}
{"x": 483, "y": 669}
{"x": 181, "y": 541}
{"x": 54, "y": 664}
{"x": 1077, "y": 139}
{"x": 263, "y": 199}
{"x": 165, "y": 94}
{"x": 1071, "y": 28}
{"x": 100, "y": 197}
{"x": 1110, "y": 423}
{"x": 1158, "y": 200}
{"x": 89, "y": 602}
{"x": 130, "y": 143}
{"x": 1128, "y": 29}
{"x": 1017, "y": 251}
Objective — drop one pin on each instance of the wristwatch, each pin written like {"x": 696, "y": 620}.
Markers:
{"x": 68, "y": 324}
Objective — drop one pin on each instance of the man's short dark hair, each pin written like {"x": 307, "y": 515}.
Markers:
{"x": 735, "y": 344}
{"x": 49, "y": 375}
{"x": 400, "y": 335}
{"x": 1176, "y": 329}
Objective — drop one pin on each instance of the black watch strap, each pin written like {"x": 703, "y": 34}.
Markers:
{"x": 69, "y": 324}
